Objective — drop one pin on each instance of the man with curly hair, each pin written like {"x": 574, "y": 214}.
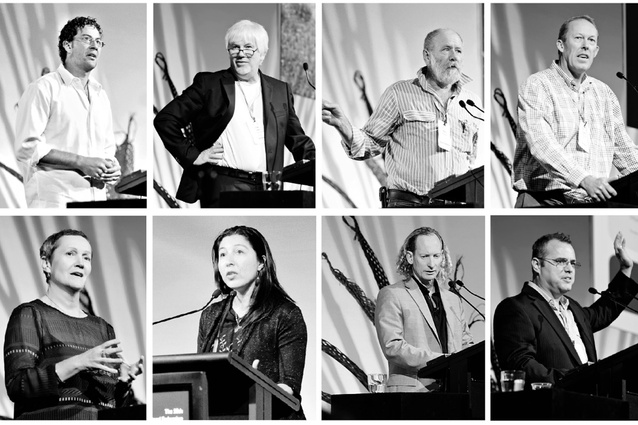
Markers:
{"x": 64, "y": 128}
{"x": 419, "y": 319}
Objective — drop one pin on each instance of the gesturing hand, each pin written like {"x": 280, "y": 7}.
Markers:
{"x": 626, "y": 263}
{"x": 128, "y": 372}
{"x": 100, "y": 357}
{"x": 332, "y": 114}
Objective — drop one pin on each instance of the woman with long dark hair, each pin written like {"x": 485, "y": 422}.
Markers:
{"x": 257, "y": 319}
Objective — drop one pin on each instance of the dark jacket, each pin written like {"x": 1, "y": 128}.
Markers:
{"x": 209, "y": 104}
{"x": 529, "y": 336}
{"x": 278, "y": 340}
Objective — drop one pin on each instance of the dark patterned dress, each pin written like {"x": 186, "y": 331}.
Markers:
{"x": 39, "y": 336}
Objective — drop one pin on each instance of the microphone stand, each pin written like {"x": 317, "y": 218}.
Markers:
{"x": 216, "y": 293}
{"x": 606, "y": 295}
{"x": 453, "y": 289}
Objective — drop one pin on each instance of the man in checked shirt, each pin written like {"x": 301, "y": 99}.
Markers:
{"x": 571, "y": 129}
{"x": 419, "y": 125}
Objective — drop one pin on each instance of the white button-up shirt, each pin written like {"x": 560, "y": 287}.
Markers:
{"x": 55, "y": 113}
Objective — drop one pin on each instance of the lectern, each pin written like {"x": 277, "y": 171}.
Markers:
{"x": 467, "y": 188}
{"x": 216, "y": 386}
{"x": 462, "y": 372}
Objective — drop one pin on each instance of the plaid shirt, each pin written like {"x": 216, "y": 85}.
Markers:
{"x": 548, "y": 156}
{"x": 404, "y": 128}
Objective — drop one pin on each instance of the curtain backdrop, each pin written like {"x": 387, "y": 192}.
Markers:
{"x": 29, "y": 42}
{"x": 385, "y": 43}
{"x": 117, "y": 284}
{"x": 344, "y": 323}
{"x": 524, "y": 42}
{"x": 183, "y": 278}
{"x": 191, "y": 37}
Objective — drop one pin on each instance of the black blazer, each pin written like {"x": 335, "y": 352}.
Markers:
{"x": 209, "y": 104}
{"x": 529, "y": 336}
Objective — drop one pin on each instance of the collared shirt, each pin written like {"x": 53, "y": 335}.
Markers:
{"x": 548, "y": 154}
{"x": 432, "y": 296}
{"x": 55, "y": 113}
{"x": 404, "y": 127}
{"x": 243, "y": 139}
{"x": 566, "y": 317}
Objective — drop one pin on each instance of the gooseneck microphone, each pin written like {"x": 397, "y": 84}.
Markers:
{"x": 452, "y": 285}
{"x": 305, "y": 68}
{"x": 622, "y": 77}
{"x": 606, "y": 295}
{"x": 216, "y": 294}
{"x": 462, "y": 285}
{"x": 464, "y": 106}
{"x": 473, "y": 105}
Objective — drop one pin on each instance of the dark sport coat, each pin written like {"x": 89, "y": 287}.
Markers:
{"x": 209, "y": 104}
{"x": 529, "y": 336}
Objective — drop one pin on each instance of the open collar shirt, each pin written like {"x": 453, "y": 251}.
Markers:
{"x": 55, "y": 113}
{"x": 566, "y": 317}
{"x": 404, "y": 127}
{"x": 548, "y": 155}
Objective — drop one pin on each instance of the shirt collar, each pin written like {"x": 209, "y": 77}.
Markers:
{"x": 456, "y": 87}
{"x": 569, "y": 78}
{"x": 431, "y": 288}
{"x": 562, "y": 303}
{"x": 68, "y": 78}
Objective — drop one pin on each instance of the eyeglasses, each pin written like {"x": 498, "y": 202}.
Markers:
{"x": 562, "y": 262}
{"x": 248, "y": 51}
{"x": 88, "y": 40}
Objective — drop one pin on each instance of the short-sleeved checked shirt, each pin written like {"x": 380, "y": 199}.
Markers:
{"x": 405, "y": 128}
{"x": 548, "y": 156}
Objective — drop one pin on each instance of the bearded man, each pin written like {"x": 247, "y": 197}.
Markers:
{"x": 419, "y": 125}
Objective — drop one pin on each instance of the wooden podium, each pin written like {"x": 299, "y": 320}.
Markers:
{"x": 216, "y": 386}
{"x": 462, "y": 372}
{"x": 466, "y": 188}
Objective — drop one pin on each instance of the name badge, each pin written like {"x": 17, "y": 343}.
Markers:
{"x": 584, "y": 136}
{"x": 444, "y": 140}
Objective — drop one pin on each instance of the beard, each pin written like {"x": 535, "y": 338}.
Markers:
{"x": 443, "y": 74}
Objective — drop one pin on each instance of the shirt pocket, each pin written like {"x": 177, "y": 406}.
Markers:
{"x": 464, "y": 133}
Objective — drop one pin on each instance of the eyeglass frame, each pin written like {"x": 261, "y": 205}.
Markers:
{"x": 242, "y": 49}
{"x": 88, "y": 40}
{"x": 575, "y": 264}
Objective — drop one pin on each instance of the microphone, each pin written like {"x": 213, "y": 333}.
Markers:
{"x": 464, "y": 106}
{"x": 622, "y": 77}
{"x": 305, "y": 68}
{"x": 473, "y": 105}
{"x": 211, "y": 341}
{"x": 452, "y": 285}
{"x": 216, "y": 294}
{"x": 462, "y": 285}
{"x": 605, "y": 294}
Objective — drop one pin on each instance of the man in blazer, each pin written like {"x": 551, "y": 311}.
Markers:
{"x": 241, "y": 119}
{"x": 545, "y": 333}
{"x": 418, "y": 319}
